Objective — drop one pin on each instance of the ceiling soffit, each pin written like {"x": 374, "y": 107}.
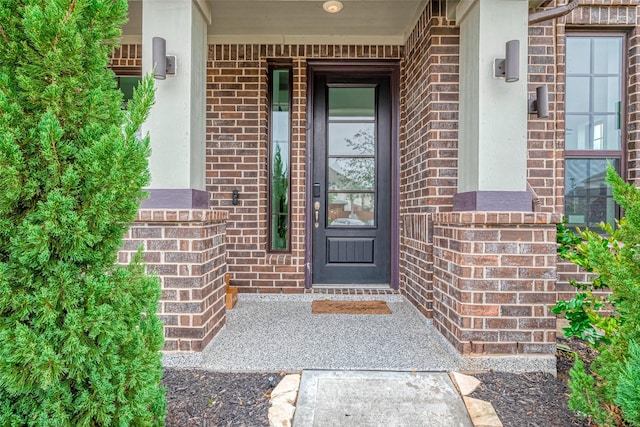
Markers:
{"x": 301, "y": 21}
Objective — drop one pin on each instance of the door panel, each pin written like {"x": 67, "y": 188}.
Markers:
{"x": 352, "y": 180}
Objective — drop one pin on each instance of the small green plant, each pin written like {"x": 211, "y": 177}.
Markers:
{"x": 586, "y": 311}
{"x": 610, "y": 394}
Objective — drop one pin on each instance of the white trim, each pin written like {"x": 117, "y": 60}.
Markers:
{"x": 414, "y": 21}
{"x": 131, "y": 39}
{"x": 450, "y": 9}
{"x": 205, "y": 9}
{"x": 462, "y": 9}
{"x": 394, "y": 40}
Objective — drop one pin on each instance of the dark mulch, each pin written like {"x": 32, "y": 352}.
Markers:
{"x": 528, "y": 400}
{"x": 535, "y": 399}
{"x": 197, "y": 398}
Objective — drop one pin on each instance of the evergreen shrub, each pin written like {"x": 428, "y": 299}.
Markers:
{"x": 79, "y": 335}
{"x": 610, "y": 393}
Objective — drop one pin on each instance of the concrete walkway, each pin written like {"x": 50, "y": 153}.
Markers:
{"x": 357, "y": 370}
{"x": 279, "y": 333}
{"x": 385, "y": 399}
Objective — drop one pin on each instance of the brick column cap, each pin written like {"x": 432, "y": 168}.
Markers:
{"x": 497, "y": 218}
{"x": 182, "y": 215}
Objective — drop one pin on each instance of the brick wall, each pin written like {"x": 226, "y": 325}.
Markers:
{"x": 429, "y": 140}
{"x": 612, "y": 15}
{"x": 237, "y": 153}
{"x": 428, "y": 146}
{"x": 546, "y": 136}
{"x": 186, "y": 249}
{"x": 494, "y": 279}
{"x": 545, "y": 160}
{"x": 237, "y": 158}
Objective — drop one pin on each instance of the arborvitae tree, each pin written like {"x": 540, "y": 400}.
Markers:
{"x": 79, "y": 336}
{"x": 609, "y": 394}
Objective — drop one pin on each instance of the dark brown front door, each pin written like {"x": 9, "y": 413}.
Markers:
{"x": 351, "y": 214}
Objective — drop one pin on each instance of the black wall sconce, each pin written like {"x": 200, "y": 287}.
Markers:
{"x": 162, "y": 64}
{"x": 234, "y": 197}
{"x": 509, "y": 66}
{"x": 540, "y": 104}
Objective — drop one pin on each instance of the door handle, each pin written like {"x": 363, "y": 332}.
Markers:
{"x": 316, "y": 208}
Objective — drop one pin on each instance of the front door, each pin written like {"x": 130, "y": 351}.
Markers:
{"x": 351, "y": 214}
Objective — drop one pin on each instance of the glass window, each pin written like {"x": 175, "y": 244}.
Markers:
{"x": 593, "y": 120}
{"x": 126, "y": 84}
{"x": 279, "y": 154}
{"x": 588, "y": 198}
{"x": 351, "y": 156}
{"x": 593, "y": 93}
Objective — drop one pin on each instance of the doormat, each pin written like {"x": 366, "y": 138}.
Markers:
{"x": 349, "y": 307}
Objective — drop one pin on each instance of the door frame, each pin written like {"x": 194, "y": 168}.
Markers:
{"x": 377, "y": 68}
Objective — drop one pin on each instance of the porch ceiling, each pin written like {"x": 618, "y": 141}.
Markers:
{"x": 302, "y": 21}
{"x": 386, "y": 22}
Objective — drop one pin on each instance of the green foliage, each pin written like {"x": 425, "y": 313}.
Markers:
{"x": 79, "y": 336}
{"x": 582, "y": 313}
{"x": 610, "y": 394}
{"x": 583, "y": 391}
{"x": 280, "y": 202}
{"x": 585, "y": 310}
{"x": 628, "y": 388}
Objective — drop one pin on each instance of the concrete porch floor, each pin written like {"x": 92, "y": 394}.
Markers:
{"x": 279, "y": 333}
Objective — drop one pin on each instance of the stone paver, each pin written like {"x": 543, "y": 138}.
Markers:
{"x": 482, "y": 413}
{"x": 466, "y": 384}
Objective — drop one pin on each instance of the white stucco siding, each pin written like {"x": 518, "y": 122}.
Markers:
{"x": 493, "y": 113}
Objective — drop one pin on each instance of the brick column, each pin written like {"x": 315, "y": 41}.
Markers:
{"x": 494, "y": 282}
{"x": 187, "y": 250}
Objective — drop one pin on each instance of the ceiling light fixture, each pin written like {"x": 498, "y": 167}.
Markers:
{"x": 332, "y": 6}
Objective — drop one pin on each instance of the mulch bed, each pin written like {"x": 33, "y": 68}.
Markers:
{"x": 197, "y": 398}
{"x": 535, "y": 399}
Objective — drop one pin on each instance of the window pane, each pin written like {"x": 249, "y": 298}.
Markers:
{"x": 607, "y": 53}
{"x": 280, "y": 124}
{"x": 351, "y": 139}
{"x": 351, "y": 103}
{"x": 355, "y": 173}
{"x": 588, "y": 198}
{"x": 578, "y": 94}
{"x": 578, "y": 55}
{"x": 606, "y": 91}
{"x": 126, "y": 84}
{"x": 351, "y": 209}
{"x": 577, "y": 132}
{"x": 607, "y": 128}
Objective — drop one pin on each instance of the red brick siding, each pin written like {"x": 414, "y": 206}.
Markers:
{"x": 494, "y": 280}
{"x": 428, "y": 147}
{"x": 187, "y": 250}
{"x": 237, "y": 153}
{"x": 545, "y": 161}
{"x": 430, "y": 130}
{"x": 546, "y": 136}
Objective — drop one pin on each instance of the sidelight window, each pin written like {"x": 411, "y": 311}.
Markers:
{"x": 279, "y": 157}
